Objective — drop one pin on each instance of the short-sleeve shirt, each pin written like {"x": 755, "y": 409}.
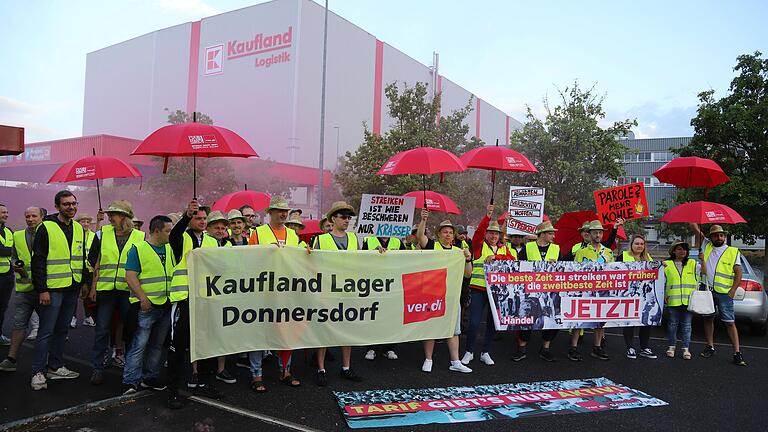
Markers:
{"x": 132, "y": 263}
{"x": 714, "y": 257}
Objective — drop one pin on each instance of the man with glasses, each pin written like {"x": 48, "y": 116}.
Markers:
{"x": 251, "y": 219}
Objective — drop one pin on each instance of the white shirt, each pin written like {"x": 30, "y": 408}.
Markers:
{"x": 714, "y": 258}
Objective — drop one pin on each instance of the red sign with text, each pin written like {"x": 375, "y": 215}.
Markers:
{"x": 627, "y": 202}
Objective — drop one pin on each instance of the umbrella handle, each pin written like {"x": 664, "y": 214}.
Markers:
{"x": 194, "y": 177}
{"x": 424, "y": 188}
{"x": 98, "y": 193}
{"x": 493, "y": 182}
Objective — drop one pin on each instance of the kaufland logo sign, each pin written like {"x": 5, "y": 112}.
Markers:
{"x": 268, "y": 48}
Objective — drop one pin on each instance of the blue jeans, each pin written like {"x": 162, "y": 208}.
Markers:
{"x": 54, "y": 326}
{"x": 106, "y": 303}
{"x": 477, "y": 305}
{"x": 679, "y": 315}
{"x": 257, "y": 358}
{"x": 144, "y": 360}
{"x": 7, "y": 285}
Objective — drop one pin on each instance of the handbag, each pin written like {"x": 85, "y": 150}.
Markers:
{"x": 701, "y": 302}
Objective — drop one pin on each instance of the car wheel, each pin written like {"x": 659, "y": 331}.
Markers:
{"x": 759, "y": 329}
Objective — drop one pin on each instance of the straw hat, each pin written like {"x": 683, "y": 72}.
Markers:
{"x": 216, "y": 216}
{"x": 584, "y": 227}
{"x": 174, "y": 217}
{"x": 295, "y": 221}
{"x": 235, "y": 214}
{"x": 461, "y": 229}
{"x": 493, "y": 226}
{"x": 446, "y": 223}
{"x": 83, "y": 216}
{"x": 138, "y": 221}
{"x": 339, "y": 206}
{"x": 545, "y": 227}
{"x": 278, "y": 203}
{"x": 677, "y": 243}
{"x": 595, "y": 225}
{"x": 122, "y": 207}
{"x": 297, "y": 210}
{"x": 716, "y": 229}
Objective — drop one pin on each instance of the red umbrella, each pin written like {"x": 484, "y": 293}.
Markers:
{"x": 569, "y": 224}
{"x": 94, "y": 168}
{"x": 435, "y": 202}
{"x": 691, "y": 172}
{"x": 311, "y": 228}
{"x": 235, "y": 200}
{"x": 703, "y": 212}
{"x": 497, "y": 159}
{"x": 194, "y": 139}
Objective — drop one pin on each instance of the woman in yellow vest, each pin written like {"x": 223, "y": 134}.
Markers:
{"x": 682, "y": 279}
{"x": 637, "y": 252}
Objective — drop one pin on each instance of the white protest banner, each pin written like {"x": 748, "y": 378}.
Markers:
{"x": 385, "y": 215}
{"x": 526, "y": 209}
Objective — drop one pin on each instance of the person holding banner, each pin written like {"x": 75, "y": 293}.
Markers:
{"x": 410, "y": 241}
{"x": 586, "y": 238}
{"x": 543, "y": 249}
{"x": 594, "y": 252}
{"x": 487, "y": 248}
{"x": 516, "y": 244}
{"x": 298, "y": 226}
{"x": 446, "y": 235}
{"x": 637, "y": 252}
{"x": 338, "y": 239}
{"x": 681, "y": 280}
{"x": 277, "y": 233}
{"x": 722, "y": 266}
{"x": 237, "y": 234}
{"x": 182, "y": 241}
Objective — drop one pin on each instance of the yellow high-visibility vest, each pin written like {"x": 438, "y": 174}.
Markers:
{"x": 64, "y": 265}
{"x": 679, "y": 285}
{"x": 724, "y": 274}
{"x": 155, "y": 277}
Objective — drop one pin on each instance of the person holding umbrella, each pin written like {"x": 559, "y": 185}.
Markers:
{"x": 446, "y": 233}
{"x": 237, "y": 228}
{"x": 722, "y": 267}
{"x": 109, "y": 289}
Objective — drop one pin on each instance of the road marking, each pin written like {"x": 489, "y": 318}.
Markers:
{"x": 109, "y": 402}
{"x": 254, "y": 415}
{"x": 700, "y": 342}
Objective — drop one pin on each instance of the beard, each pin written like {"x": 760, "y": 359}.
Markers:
{"x": 718, "y": 243}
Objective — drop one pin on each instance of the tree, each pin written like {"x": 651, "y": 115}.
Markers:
{"x": 733, "y": 131}
{"x": 574, "y": 155}
{"x": 414, "y": 125}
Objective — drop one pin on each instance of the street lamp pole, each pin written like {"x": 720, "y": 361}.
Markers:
{"x": 322, "y": 117}
{"x": 337, "y": 146}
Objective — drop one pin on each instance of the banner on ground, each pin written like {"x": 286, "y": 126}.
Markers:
{"x": 626, "y": 201}
{"x": 385, "y": 215}
{"x": 269, "y": 298}
{"x": 408, "y": 407}
{"x": 536, "y": 295}
{"x": 525, "y": 210}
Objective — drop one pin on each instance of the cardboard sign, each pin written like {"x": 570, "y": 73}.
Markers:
{"x": 385, "y": 215}
{"x": 526, "y": 209}
{"x": 627, "y": 201}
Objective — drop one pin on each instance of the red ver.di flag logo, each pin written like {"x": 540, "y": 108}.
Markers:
{"x": 424, "y": 295}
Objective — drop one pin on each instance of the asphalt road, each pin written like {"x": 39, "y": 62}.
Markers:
{"x": 703, "y": 394}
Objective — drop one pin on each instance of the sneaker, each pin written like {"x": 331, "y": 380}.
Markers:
{"x": 174, "y": 401}
{"x": 153, "y": 384}
{"x": 738, "y": 359}
{"x": 118, "y": 360}
{"x": 670, "y": 351}
{"x": 486, "y": 359}
{"x": 647, "y": 353}
{"x": 97, "y": 377}
{"x": 129, "y": 389}
{"x": 599, "y": 353}
{"x": 243, "y": 362}
{"x": 349, "y": 374}
{"x": 520, "y": 355}
{"x": 459, "y": 367}
{"x": 468, "y": 357}
{"x": 225, "y": 376}
{"x": 39, "y": 382}
{"x": 427, "y": 366}
{"x": 708, "y": 352}
{"x": 631, "y": 353}
{"x": 321, "y": 378}
{"x": 32, "y": 335}
{"x": 193, "y": 381}
{"x": 73, "y": 323}
{"x": 390, "y": 355}
{"x": 4, "y": 341}
{"x": 89, "y": 322}
{"x": 8, "y": 365}
{"x": 208, "y": 390}
{"x": 546, "y": 355}
{"x": 686, "y": 354}
{"x": 370, "y": 355}
{"x": 61, "y": 373}
{"x": 574, "y": 354}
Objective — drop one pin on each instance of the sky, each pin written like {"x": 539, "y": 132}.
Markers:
{"x": 648, "y": 59}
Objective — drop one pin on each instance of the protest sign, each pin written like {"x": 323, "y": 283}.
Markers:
{"x": 626, "y": 201}
{"x": 526, "y": 209}
{"x": 407, "y": 407}
{"x": 385, "y": 215}
{"x": 535, "y": 295}
{"x": 269, "y": 298}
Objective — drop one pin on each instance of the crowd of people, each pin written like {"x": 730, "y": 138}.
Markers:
{"x": 133, "y": 288}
